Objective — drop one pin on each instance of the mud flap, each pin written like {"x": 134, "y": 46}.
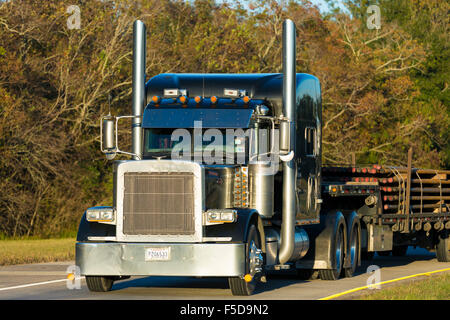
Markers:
{"x": 320, "y": 254}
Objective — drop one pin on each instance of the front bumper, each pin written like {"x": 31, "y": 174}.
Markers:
{"x": 186, "y": 259}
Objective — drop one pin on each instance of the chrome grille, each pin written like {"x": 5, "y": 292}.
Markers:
{"x": 158, "y": 203}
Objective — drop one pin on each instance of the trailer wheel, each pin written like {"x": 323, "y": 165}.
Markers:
{"x": 99, "y": 283}
{"x": 399, "y": 251}
{"x": 238, "y": 286}
{"x": 443, "y": 247}
{"x": 353, "y": 251}
{"x": 338, "y": 247}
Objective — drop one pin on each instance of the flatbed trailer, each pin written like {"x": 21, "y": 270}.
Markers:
{"x": 411, "y": 203}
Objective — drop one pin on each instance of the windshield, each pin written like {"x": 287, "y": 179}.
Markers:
{"x": 207, "y": 145}
{"x": 159, "y": 141}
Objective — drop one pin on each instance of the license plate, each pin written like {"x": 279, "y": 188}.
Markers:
{"x": 157, "y": 254}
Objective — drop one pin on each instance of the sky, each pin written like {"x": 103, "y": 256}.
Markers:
{"x": 323, "y": 5}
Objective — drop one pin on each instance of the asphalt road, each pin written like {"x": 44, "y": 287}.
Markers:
{"x": 48, "y": 282}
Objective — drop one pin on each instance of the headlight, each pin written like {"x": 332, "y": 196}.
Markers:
{"x": 221, "y": 216}
{"x": 228, "y": 216}
{"x": 100, "y": 214}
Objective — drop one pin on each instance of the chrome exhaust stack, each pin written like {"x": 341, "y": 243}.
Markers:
{"x": 287, "y": 243}
{"x": 139, "y": 99}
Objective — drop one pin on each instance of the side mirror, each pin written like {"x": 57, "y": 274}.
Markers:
{"x": 108, "y": 136}
{"x": 108, "y": 145}
{"x": 285, "y": 138}
{"x": 286, "y": 154}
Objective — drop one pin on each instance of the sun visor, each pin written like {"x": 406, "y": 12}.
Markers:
{"x": 185, "y": 117}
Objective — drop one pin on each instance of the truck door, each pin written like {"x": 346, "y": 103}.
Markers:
{"x": 308, "y": 153}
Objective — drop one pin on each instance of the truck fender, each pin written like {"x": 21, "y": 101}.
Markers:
{"x": 238, "y": 230}
{"x": 321, "y": 252}
{"x": 352, "y": 219}
{"x": 94, "y": 229}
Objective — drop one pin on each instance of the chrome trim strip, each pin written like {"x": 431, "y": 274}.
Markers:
{"x": 102, "y": 238}
{"x": 216, "y": 239}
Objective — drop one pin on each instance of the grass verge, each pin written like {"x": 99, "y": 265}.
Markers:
{"x": 435, "y": 287}
{"x": 36, "y": 251}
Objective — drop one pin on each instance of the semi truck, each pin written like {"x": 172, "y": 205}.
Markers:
{"x": 226, "y": 180}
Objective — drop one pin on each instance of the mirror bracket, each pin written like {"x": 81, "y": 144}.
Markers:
{"x": 109, "y": 140}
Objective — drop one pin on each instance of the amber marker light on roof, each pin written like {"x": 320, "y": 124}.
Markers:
{"x": 198, "y": 99}
{"x": 156, "y": 99}
{"x": 214, "y": 99}
{"x": 183, "y": 99}
{"x": 246, "y": 99}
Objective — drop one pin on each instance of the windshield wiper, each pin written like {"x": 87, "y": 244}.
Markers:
{"x": 158, "y": 155}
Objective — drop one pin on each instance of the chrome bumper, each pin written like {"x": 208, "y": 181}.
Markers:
{"x": 186, "y": 259}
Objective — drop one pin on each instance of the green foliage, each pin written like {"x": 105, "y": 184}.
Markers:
{"x": 427, "y": 23}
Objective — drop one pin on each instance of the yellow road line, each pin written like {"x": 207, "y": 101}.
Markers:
{"x": 383, "y": 282}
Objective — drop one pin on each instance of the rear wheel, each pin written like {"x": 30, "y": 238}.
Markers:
{"x": 99, "y": 283}
{"x": 353, "y": 251}
{"x": 254, "y": 264}
{"x": 443, "y": 247}
{"x": 338, "y": 248}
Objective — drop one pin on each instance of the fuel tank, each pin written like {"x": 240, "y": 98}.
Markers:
{"x": 261, "y": 188}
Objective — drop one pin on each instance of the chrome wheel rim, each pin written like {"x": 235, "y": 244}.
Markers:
{"x": 339, "y": 248}
{"x": 256, "y": 259}
{"x": 353, "y": 248}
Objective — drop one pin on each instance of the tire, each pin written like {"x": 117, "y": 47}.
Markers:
{"x": 399, "y": 251}
{"x": 443, "y": 247}
{"x": 354, "y": 251}
{"x": 99, "y": 283}
{"x": 384, "y": 253}
{"x": 238, "y": 286}
{"x": 338, "y": 247}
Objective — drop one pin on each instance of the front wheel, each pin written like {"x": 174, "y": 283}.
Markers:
{"x": 99, "y": 283}
{"x": 253, "y": 268}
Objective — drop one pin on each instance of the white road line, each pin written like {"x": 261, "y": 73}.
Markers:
{"x": 33, "y": 284}
{"x": 32, "y": 273}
